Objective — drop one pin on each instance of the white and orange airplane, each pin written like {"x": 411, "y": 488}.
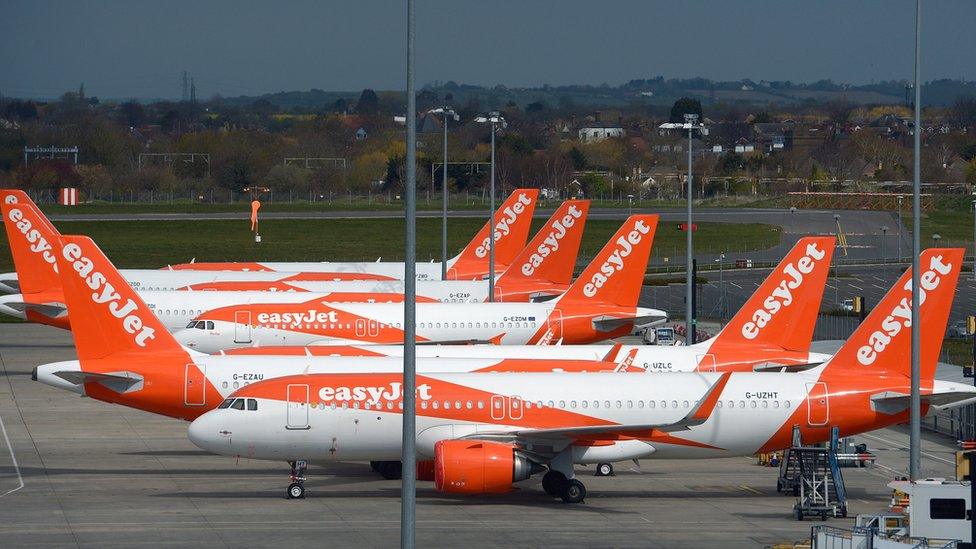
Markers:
{"x": 513, "y": 221}
{"x": 532, "y": 275}
{"x": 485, "y": 432}
{"x": 773, "y": 330}
{"x": 601, "y": 304}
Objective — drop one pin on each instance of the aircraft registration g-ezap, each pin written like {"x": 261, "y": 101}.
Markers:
{"x": 773, "y": 330}
{"x": 486, "y": 432}
{"x": 601, "y": 304}
{"x": 531, "y": 276}
{"x": 513, "y": 221}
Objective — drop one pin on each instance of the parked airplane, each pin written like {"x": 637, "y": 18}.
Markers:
{"x": 486, "y": 432}
{"x": 600, "y": 305}
{"x": 42, "y": 301}
{"x": 513, "y": 220}
{"x": 771, "y": 331}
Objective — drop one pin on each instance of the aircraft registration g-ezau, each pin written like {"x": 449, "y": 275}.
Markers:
{"x": 486, "y": 432}
{"x": 512, "y": 222}
{"x": 600, "y": 305}
{"x": 773, "y": 330}
{"x": 531, "y": 276}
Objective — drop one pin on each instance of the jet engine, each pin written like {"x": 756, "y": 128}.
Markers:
{"x": 479, "y": 467}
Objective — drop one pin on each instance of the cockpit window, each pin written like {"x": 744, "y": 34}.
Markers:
{"x": 201, "y": 325}
{"x": 191, "y": 324}
{"x": 252, "y": 404}
{"x": 238, "y": 404}
{"x": 210, "y": 325}
{"x": 225, "y": 404}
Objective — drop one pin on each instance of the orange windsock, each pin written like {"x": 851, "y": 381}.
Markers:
{"x": 255, "y": 206}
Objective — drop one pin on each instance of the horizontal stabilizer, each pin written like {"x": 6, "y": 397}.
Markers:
{"x": 649, "y": 317}
{"x": 946, "y": 394}
{"x": 120, "y": 382}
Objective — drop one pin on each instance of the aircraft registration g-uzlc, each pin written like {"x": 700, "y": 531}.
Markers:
{"x": 513, "y": 220}
{"x": 772, "y": 331}
{"x": 601, "y": 304}
{"x": 543, "y": 270}
{"x": 483, "y": 433}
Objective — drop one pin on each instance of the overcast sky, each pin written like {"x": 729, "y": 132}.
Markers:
{"x": 136, "y": 48}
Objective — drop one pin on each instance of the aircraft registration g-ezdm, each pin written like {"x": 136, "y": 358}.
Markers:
{"x": 513, "y": 220}
{"x": 485, "y": 432}
{"x": 543, "y": 270}
{"x": 601, "y": 304}
{"x": 772, "y": 331}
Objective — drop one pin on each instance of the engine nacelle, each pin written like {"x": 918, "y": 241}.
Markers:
{"x": 479, "y": 467}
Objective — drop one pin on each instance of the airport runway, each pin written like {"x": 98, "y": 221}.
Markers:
{"x": 101, "y": 475}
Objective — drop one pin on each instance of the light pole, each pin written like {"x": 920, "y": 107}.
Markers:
{"x": 793, "y": 218}
{"x": 630, "y": 204}
{"x": 721, "y": 286}
{"x": 446, "y": 114}
{"x": 408, "y": 450}
{"x": 836, "y": 273}
{"x": 935, "y": 240}
{"x": 974, "y": 236}
{"x": 495, "y": 120}
{"x": 884, "y": 237}
{"x": 900, "y": 225}
{"x": 691, "y": 124}
{"x": 915, "y": 400}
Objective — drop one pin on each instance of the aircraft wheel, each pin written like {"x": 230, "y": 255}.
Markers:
{"x": 551, "y": 482}
{"x": 572, "y": 491}
{"x": 604, "y": 470}
{"x": 391, "y": 470}
{"x": 296, "y": 490}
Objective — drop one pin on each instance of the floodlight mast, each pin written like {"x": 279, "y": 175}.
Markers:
{"x": 408, "y": 454}
{"x": 496, "y": 121}
{"x": 915, "y": 416}
{"x": 445, "y": 113}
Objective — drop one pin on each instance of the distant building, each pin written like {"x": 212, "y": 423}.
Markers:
{"x": 597, "y": 131}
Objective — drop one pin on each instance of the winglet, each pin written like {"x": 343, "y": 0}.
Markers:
{"x": 704, "y": 409}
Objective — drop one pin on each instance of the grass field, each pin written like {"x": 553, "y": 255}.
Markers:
{"x": 954, "y": 227}
{"x": 151, "y": 244}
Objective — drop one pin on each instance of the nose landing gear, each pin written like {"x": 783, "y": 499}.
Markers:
{"x": 296, "y": 490}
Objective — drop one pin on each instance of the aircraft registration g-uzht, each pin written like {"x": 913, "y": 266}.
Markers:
{"x": 485, "y": 432}
{"x": 601, "y": 304}
{"x": 773, "y": 330}
{"x": 43, "y": 302}
{"x": 513, "y": 220}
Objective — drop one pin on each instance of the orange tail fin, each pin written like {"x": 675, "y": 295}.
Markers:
{"x": 782, "y": 313}
{"x": 116, "y": 320}
{"x": 616, "y": 274}
{"x": 513, "y": 219}
{"x": 33, "y": 243}
{"x": 551, "y": 255}
{"x": 882, "y": 343}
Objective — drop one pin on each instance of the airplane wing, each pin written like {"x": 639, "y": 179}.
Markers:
{"x": 773, "y": 367}
{"x": 945, "y": 393}
{"x": 51, "y": 310}
{"x": 698, "y": 415}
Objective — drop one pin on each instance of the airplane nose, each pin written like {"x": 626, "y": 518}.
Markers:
{"x": 204, "y": 432}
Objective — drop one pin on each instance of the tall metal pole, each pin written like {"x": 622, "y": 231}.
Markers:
{"x": 915, "y": 438}
{"x": 444, "y": 219}
{"x": 689, "y": 283}
{"x": 491, "y": 220}
{"x": 408, "y": 456}
{"x": 900, "y": 225}
{"x": 974, "y": 240}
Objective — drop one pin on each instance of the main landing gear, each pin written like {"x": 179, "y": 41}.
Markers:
{"x": 390, "y": 470}
{"x": 569, "y": 490}
{"x": 604, "y": 470}
{"x": 296, "y": 490}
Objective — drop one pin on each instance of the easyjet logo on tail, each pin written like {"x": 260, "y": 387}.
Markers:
{"x": 35, "y": 240}
{"x": 559, "y": 229}
{"x": 782, "y": 294}
{"x": 900, "y": 316}
{"x": 10, "y": 199}
{"x": 105, "y": 294}
{"x": 503, "y": 226}
{"x": 615, "y": 263}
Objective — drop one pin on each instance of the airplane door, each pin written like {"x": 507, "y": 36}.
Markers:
{"x": 242, "y": 326}
{"x": 515, "y": 407}
{"x": 194, "y": 385}
{"x": 297, "y": 414}
{"x": 374, "y": 327}
{"x": 497, "y": 407}
{"x": 706, "y": 363}
{"x": 360, "y": 327}
{"x": 818, "y": 407}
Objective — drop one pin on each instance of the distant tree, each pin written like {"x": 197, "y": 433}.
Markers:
{"x": 132, "y": 113}
{"x": 369, "y": 103}
{"x": 535, "y": 107}
{"x": 683, "y": 106}
{"x": 964, "y": 111}
{"x": 578, "y": 159}
{"x": 263, "y": 107}
{"x": 762, "y": 118}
